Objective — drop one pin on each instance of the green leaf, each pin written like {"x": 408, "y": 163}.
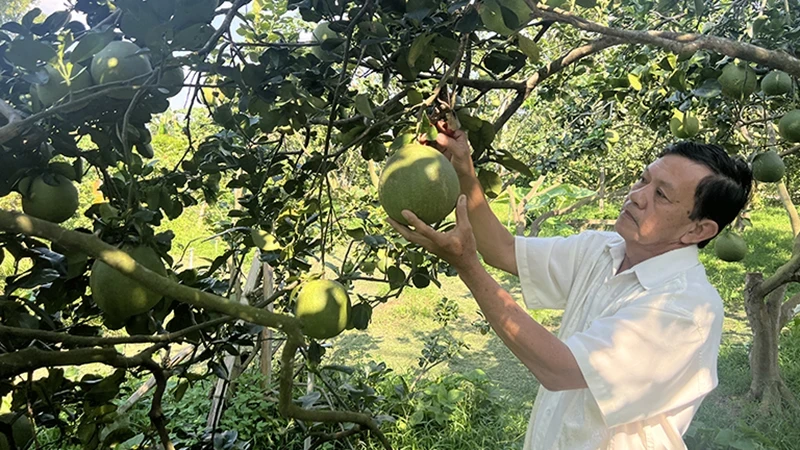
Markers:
{"x": 699, "y": 8}
{"x": 27, "y": 53}
{"x": 339, "y": 368}
{"x": 414, "y": 97}
{"x": 509, "y": 162}
{"x": 427, "y": 129}
{"x": 708, "y": 89}
{"x": 530, "y": 48}
{"x": 193, "y": 37}
{"x": 180, "y": 390}
{"x": 361, "y": 314}
{"x": 363, "y": 106}
{"x": 396, "y": 277}
{"x": 491, "y": 183}
{"x": 419, "y": 47}
{"x": 635, "y": 82}
{"x": 497, "y": 62}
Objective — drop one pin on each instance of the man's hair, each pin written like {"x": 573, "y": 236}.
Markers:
{"x": 721, "y": 196}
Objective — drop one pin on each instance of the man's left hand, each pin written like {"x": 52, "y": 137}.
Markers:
{"x": 456, "y": 246}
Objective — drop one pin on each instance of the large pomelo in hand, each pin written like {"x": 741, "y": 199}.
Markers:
{"x": 119, "y": 61}
{"x": 420, "y": 179}
{"x": 730, "y": 247}
{"x": 323, "y": 307}
{"x": 120, "y": 297}
{"x": 54, "y": 199}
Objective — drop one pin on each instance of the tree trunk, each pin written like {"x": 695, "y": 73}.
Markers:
{"x": 764, "y": 316}
{"x": 602, "y": 190}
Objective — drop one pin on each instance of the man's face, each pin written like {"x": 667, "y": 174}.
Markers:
{"x": 655, "y": 215}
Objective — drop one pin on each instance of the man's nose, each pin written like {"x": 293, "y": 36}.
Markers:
{"x": 638, "y": 197}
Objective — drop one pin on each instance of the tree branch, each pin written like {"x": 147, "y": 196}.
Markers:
{"x": 787, "y": 310}
{"x": 553, "y": 67}
{"x": 289, "y": 409}
{"x": 20, "y": 223}
{"x": 22, "y": 361}
{"x": 88, "y": 341}
{"x": 156, "y": 413}
{"x": 680, "y": 42}
{"x": 226, "y": 24}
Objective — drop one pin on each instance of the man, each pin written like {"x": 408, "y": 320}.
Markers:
{"x": 637, "y": 349}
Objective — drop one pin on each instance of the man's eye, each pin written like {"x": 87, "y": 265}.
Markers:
{"x": 660, "y": 194}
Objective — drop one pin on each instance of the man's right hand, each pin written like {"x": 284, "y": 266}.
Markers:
{"x": 455, "y": 147}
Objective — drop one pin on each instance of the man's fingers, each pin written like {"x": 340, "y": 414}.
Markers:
{"x": 409, "y": 234}
{"x": 419, "y": 226}
{"x": 462, "y": 217}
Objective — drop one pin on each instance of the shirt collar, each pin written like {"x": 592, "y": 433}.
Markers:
{"x": 658, "y": 269}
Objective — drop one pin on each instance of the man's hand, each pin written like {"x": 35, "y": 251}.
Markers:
{"x": 456, "y": 246}
{"x": 455, "y": 147}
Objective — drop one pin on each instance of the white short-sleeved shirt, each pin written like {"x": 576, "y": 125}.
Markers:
{"x": 646, "y": 341}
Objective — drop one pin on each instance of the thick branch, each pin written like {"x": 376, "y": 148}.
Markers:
{"x": 100, "y": 341}
{"x": 680, "y": 42}
{"x": 787, "y": 310}
{"x": 29, "y": 359}
{"x": 289, "y": 409}
{"x": 20, "y": 223}
{"x": 553, "y": 67}
{"x": 156, "y": 413}
{"x": 781, "y": 276}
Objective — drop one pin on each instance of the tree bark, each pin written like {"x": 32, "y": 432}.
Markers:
{"x": 764, "y": 316}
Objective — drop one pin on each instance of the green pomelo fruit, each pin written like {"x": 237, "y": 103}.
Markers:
{"x": 684, "y": 125}
{"x": 120, "y": 297}
{"x": 776, "y": 82}
{"x": 21, "y": 431}
{"x": 789, "y": 126}
{"x": 172, "y": 81}
{"x": 420, "y": 179}
{"x": 119, "y": 61}
{"x": 737, "y": 81}
{"x": 55, "y": 202}
{"x": 322, "y": 32}
{"x": 323, "y": 308}
{"x": 768, "y": 167}
{"x": 730, "y": 247}
{"x": 58, "y": 86}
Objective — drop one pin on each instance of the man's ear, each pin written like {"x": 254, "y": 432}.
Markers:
{"x": 703, "y": 229}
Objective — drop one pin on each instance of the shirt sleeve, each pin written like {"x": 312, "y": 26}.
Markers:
{"x": 546, "y": 268}
{"x": 644, "y": 361}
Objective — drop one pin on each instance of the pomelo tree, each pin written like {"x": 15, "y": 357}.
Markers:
{"x": 304, "y": 97}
